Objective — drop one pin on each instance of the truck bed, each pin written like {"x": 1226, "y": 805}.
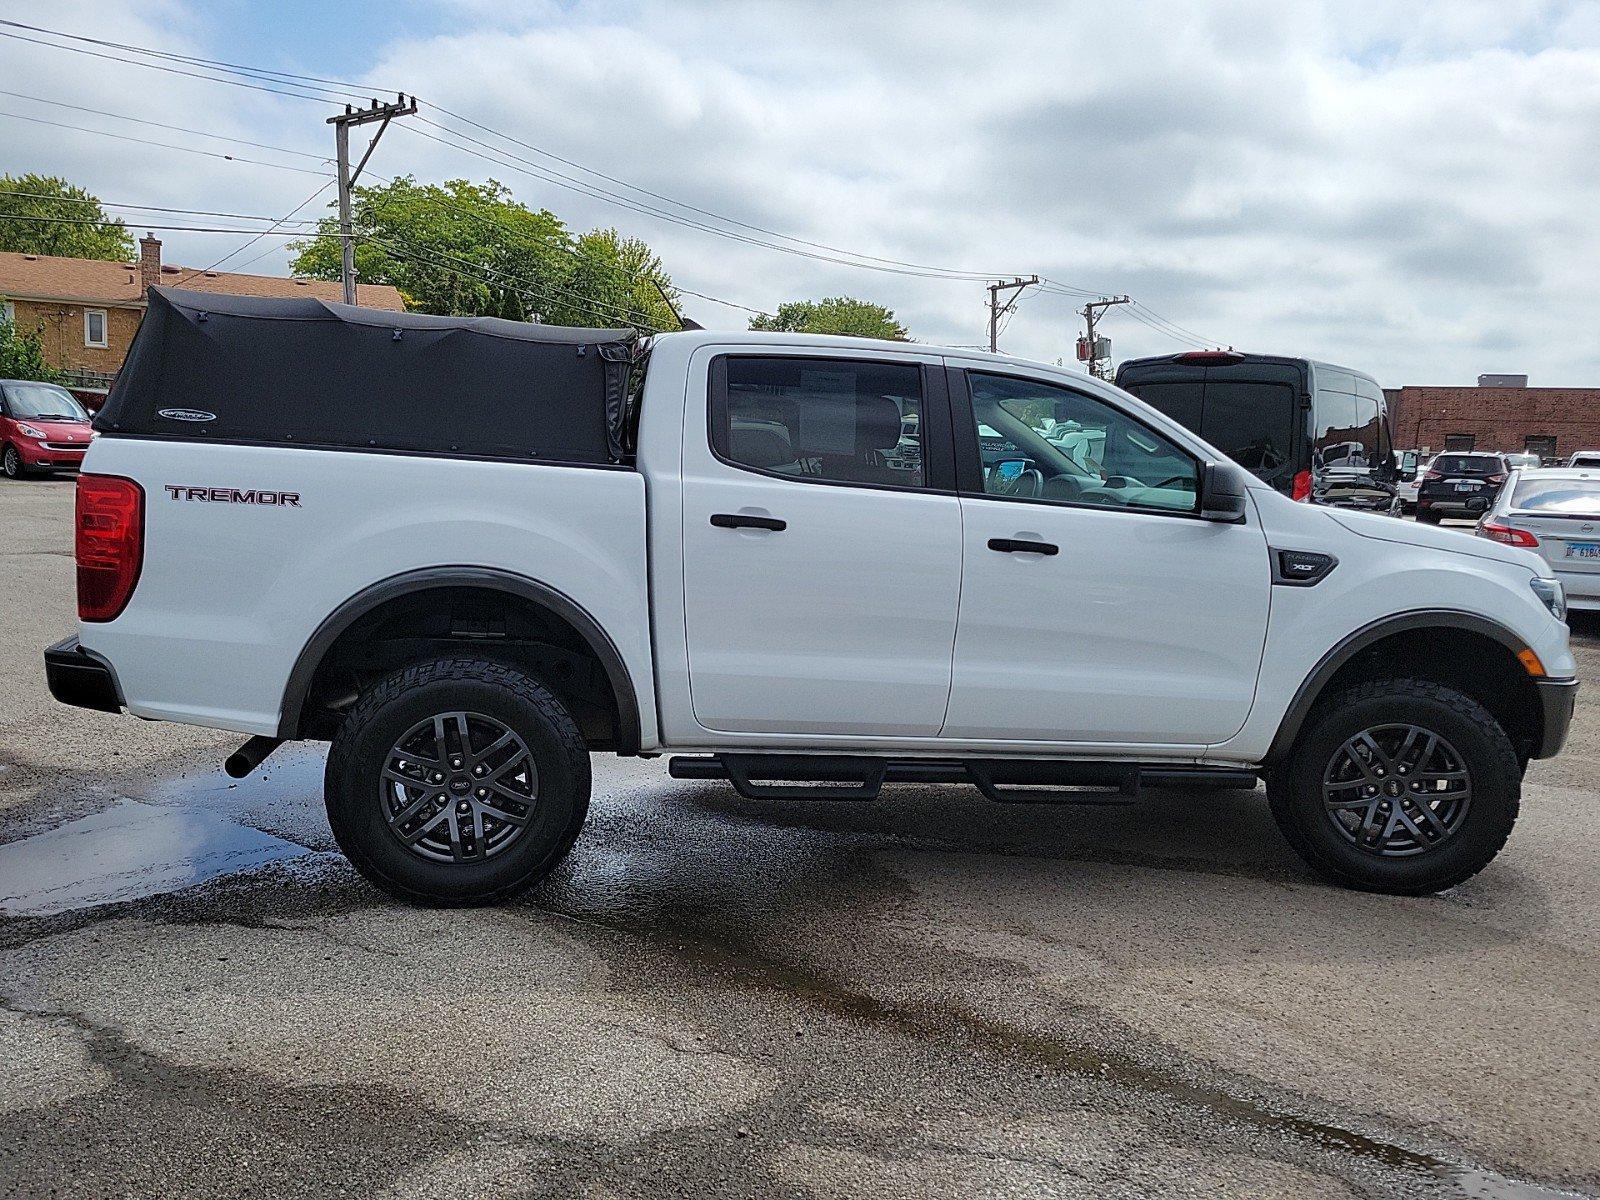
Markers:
{"x": 212, "y": 646}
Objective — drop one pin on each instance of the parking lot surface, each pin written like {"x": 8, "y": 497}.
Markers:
{"x": 929, "y": 995}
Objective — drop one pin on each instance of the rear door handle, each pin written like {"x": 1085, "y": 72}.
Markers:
{"x": 1017, "y": 546}
{"x": 746, "y": 521}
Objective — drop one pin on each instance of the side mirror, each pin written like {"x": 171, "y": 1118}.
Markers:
{"x": 1222, "y": 490}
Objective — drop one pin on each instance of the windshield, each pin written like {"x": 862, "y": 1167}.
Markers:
{"x": 43, "y": 401}
{"x": 1559, "y": 497}
{"x": 1466, "y": 464}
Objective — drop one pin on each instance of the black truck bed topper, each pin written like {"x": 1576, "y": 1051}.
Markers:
{"x": 304, "y": 372}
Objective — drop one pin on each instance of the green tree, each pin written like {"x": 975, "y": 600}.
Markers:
{"x": 838, "y": 315}
{"x": 467, "y": 249}
{"x": 22, "y": 355}
{"x": 46, "y": 196}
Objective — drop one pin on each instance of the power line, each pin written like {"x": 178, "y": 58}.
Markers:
{"x": 354, "y": 89}
{"x": 950, "y": 272}
{"x": 305, "y": 87}
{"x": 156, "y": 66}
{"x": 221, "y": 137}
{"x": 284, "y": 220}
{"x": 124, "y": 137}
{"x": 188, "y": 212}
{"x": 175, "y": 228}
{"x": 546, "y": 175}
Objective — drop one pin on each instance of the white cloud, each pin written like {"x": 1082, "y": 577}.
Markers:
{"x": 1409, "y": 189}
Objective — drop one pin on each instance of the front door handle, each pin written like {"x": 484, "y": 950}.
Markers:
{"x": 1018, "y": 546}
{"x": 747, "y": 521}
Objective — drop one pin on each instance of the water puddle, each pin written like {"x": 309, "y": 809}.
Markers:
{"x": 127, "y": 852}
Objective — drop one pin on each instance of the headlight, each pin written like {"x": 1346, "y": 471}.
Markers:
{"x": 1553, "y": 595}
{"x": 30, "y": 431}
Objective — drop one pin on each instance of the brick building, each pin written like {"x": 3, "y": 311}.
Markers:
{"x": 1546, "y": 421}
{"x": 87, "y": 310}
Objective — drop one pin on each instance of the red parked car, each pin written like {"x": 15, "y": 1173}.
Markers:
{"x": 42, "y": 428}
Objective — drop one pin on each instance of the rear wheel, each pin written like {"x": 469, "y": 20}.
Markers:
{"x": 1400, "y": 786}
{"x": 1427, "y": 517}
{"x": 457, "y": 781}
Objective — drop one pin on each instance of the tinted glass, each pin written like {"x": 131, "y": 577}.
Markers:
{"x": 41, "y": 400}
{"x": 1467, "y": 464}
{"x": 1559, "y": 497}
{"x": 831, "y": 420}
{"x": 1253, "y": 424}
{"x": 1180, "y": 400}
{"x": 1074, "y": 449}
{"x": 1345, "y": 430}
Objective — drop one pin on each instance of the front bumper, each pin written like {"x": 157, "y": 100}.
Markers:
{"x": 1556, "y": 700}
{"x": 81, "y": 677}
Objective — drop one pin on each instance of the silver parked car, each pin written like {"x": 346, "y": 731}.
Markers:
{"x": 1554, "y": 511}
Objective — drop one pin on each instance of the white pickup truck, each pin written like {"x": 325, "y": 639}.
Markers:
{"x": 470, "y": 552}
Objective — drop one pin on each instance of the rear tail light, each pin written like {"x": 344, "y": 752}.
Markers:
{"x": 1497, "y": 479}
{"x": 1495, "y": 531}
{"x": 109, "y": 545}
{"x": 1302, "y": 486}
{"x": 1432, "y": 475}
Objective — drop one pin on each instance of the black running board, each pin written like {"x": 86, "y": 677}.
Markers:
{"x": 1005, "y": 781}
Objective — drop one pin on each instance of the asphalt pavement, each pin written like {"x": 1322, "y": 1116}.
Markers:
{"x": 927, "y": 996}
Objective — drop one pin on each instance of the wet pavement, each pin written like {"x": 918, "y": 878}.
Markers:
{"x": 929, "y": 995}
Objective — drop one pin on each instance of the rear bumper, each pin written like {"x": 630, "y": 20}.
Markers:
{"x": 1556, "y": 700}
{"x": 81, "y": 677}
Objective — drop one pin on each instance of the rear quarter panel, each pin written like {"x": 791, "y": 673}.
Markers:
{"x": 230, "y": 593}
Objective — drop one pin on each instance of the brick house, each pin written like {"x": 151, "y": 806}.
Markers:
{"x": 1543, "y": 420}
{"x": 87, "y": 310}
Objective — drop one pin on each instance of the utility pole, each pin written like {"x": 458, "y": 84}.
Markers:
{"x": 997, "y": 310}
{"x": 1088, "y": 347}
{"x": 347, "y": 178}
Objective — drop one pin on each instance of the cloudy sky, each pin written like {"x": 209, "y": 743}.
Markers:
{"x": 1412, "y": 189}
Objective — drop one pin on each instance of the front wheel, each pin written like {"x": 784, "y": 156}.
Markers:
{"x": 11, "y": 463}
{"x": 457, "y": 781}
{"x": 1400, "y": 786}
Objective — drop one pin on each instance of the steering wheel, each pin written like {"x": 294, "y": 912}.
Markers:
{"x": 1028, "y": 485}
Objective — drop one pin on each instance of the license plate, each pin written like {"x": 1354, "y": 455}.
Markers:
{"x": 1466, "y": 487}
{"x": 1583, "y": 549}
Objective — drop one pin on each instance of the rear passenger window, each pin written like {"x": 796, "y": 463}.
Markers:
{"x": 830, "y": 420}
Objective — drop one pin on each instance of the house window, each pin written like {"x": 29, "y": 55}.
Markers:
{"x": 8, "y": 312}
{"x": 1459, "y": 441}
{"x": 94, "y": 327}
{"x": 1541, "y": 444}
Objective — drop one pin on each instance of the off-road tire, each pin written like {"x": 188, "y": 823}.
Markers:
{"x": 1294, "y": 790}
{"x": 386, "y": 710}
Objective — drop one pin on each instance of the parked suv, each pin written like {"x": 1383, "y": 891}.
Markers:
{"x": 42, "y": 428}
{"x": 1460, "y": 484}
{"x": 1314, "y": 431}
{"x": 459, "y": 551}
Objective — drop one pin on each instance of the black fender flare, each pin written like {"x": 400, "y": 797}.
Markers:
{"x": 1351, "y": 644}
{"x": 291, "y": 715}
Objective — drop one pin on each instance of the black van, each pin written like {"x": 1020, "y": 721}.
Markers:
{"x": 1314, "y": 431}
